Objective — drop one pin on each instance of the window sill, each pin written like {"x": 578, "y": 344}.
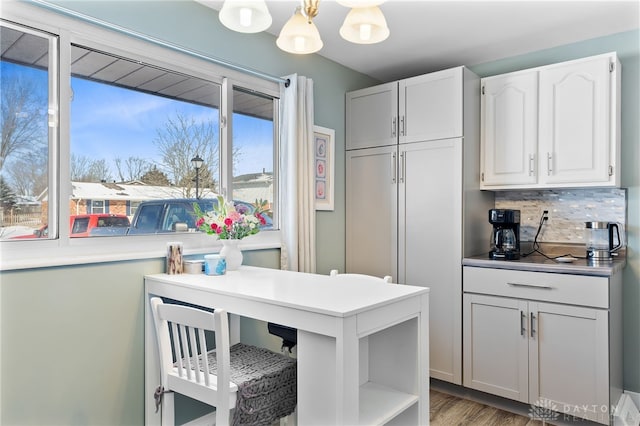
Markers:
{"x": 16, "y": 255}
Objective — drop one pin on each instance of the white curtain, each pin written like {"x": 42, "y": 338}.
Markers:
{"x": 297, "y": 201}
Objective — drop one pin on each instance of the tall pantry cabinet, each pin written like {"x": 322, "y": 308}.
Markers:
{"x": 414, "y": 208}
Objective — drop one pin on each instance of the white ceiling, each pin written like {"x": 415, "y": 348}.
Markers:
{"x": 432, "y": 35}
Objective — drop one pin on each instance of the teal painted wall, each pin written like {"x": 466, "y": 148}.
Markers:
{"x": 627, "y": 45}
{"x": 72, "y": 344}
{"x": 100, "y": 305}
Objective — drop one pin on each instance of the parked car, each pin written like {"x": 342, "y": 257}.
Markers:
{"x": 99, "y": 225}
{"x": 42, "y": 232}
{"x": 177, "y": 214}
{"x": 88, "y": 225}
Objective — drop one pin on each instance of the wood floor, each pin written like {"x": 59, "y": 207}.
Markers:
{"x": 449, "y": 410}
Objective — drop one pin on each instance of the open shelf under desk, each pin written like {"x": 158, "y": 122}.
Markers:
{"x": 379, "y": 404}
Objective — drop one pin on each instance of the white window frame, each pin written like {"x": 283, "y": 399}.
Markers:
{"x": 64, "y": 250}
{"x": 103, "y": 208}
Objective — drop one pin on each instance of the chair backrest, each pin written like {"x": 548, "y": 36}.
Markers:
{"x": 387, "y": 278}
{"x": 185, "y": 362}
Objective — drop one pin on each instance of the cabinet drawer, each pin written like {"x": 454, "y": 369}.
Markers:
{"x": 557, "y": 288}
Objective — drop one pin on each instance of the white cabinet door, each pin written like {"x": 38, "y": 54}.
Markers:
{"x": 575, "y": 102}
{"x": 371, "y": 211}
{"x": 372, "y": 116}
{"x": 496, "y": 346}
{"x": 568, "y": 356}
{"x": 431, "y": 106}
{"x": 509, "y": 136}
{"x": 430, "y": 243}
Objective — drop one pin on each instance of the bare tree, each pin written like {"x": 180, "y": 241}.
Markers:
{"x": 79, "y": 167}
{"x": 179, "y": 141}
{"x": 100, "y": 171}
{"x": 84, "y": 169}
{"x": 133, "y": 168}
{"x": 23, "y": 117}
{"x": 28, "y": 174}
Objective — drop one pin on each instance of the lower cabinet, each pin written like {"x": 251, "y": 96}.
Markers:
{"x": 555, "y": 356}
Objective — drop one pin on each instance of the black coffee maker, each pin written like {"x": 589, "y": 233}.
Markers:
{"x": 505, "y": 237}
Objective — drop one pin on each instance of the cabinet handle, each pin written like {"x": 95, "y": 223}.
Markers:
{"x": 403, "y": 164}
{"x": 531, "y": 164}
{"x": 532, "y": 319}
{"x": 543, "y": 286}
{"x": 522, "y": 320}
{"x": 549, "y": 163}
{"x": 394, "y": 166}
{"x": 402, "y": 133}
{"x": 393, "y": 127}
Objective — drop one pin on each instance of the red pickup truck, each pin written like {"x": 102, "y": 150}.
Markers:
{"x": 88, "y": 225}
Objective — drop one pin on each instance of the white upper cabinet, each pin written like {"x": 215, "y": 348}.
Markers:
{"x": 431, "y": 106}
{"x": 509, "y": 140}
{"x": 554, "y": 126}
{"x": 427, "y": 107}
{"x": 575, "y": 117}
{"x": 372, "y": 118}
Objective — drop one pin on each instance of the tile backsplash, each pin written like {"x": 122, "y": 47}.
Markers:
{"x": 568, "y": 210}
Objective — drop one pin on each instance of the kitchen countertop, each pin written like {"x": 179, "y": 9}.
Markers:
{"x": 539, "y": 263}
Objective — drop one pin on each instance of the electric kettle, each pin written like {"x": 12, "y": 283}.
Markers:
{"x": 599, "y": 239}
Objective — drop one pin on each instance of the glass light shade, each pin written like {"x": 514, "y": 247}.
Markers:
{"x": 365, "y": 25}
{"x": 299, "y": 36}
{"x": 245, "y": 16}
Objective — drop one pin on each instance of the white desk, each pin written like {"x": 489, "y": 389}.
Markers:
{"x": 363, "y": 349}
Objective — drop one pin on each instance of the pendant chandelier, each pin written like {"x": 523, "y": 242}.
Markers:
{"x": 364, "y": 24}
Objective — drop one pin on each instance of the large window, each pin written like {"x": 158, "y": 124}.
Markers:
{"x": 135, "y": 128}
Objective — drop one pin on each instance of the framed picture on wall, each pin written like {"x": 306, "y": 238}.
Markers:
{"x": 324, "y": 144}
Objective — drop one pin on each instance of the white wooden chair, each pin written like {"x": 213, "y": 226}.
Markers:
{"x": 387, "y": 278}
{"x": 185, "y": 364}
